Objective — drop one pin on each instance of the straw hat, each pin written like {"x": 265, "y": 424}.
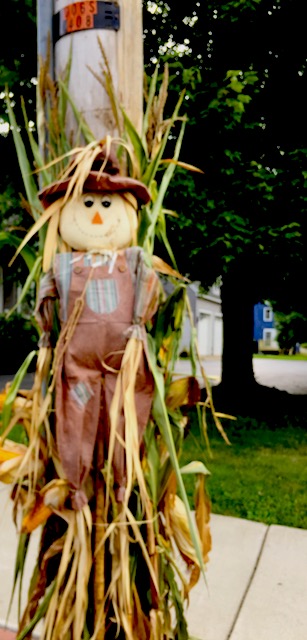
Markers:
{"x": 109, "y": 180}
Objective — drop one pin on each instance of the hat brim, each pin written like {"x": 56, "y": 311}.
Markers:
{"x": 97, "y": 182}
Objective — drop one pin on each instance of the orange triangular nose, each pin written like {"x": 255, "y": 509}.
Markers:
{"x": 97, "y": 219}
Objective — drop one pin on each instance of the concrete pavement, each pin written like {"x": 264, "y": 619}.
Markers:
{"x": 255, "y": 588}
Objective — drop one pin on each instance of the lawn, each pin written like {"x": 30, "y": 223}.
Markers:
{"x": 261, "y": 476}
{"x": 281, "y": 356}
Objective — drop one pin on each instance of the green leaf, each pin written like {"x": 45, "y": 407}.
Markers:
{"x": 139, "y": 150}
{"x": 145, "y": 223}
{"x": 63, "y": 95}
{"x": 151, "y": 95}
{"x": 244, "y": 98}
{"x": 39, "y": 161}
{"x": 13, "y": 389}
{"x": 161, "y": 417}
{"x": 168, "y": 327}
{"x": 32, "y": 277}
{"x": 39, "y": 614}
{"x": 152, "y": 463}
{"x": 25, "y": 167}
{"x": 181, "y": 631}
{"x": 250, "y": 78}
{"x": 236, "y": 86}
{"x": 150, "y": 173}
{"x": 84, "y": 128}
{"x": 162, "y": 236}
{"x": 167, "y": 176}
{"x": 230, "y": 73}
{"x": 28, "y": 254}
{"x": 22, "y": 550}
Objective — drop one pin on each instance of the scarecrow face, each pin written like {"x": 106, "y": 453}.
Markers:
{"x": 97, "y": 221}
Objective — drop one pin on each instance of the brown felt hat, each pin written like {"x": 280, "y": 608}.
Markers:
{"x": 109, "y": 180}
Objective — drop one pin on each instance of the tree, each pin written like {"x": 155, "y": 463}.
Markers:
{"x": 245, "y": 217}
{"x": 17, "y": 74}
{"x": 291, "y": 330}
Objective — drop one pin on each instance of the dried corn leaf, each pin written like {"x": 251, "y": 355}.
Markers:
{"x": 181, "y": 531}
{"x": 185, "y": 391}
{"x": 183, "y": 165}
{"x": 50, "y": 246}
{"x": 36, "y": 517}
{"x": 46, "y": 215}
{"x": 202, "y": 516}
{"x": 11, "y": 450}
{"x": 9, "y": 470}
{"x": 162, "y": 267}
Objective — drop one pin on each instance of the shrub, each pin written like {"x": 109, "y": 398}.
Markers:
{"x": 18, "y": 336}
{"x": 291, "y": 328}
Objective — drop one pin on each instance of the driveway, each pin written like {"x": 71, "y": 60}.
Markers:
{"x": 286, "y": 375}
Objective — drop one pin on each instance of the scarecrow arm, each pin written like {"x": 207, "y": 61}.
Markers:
{"x": 148, "y": 291}
{"x": 44, "y": 311}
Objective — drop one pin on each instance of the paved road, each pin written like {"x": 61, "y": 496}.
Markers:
{"x": 286, "y": 375}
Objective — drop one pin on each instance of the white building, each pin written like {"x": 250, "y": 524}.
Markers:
{"x": 208, "y": 320}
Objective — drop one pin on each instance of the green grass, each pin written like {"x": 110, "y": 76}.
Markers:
{"x": 262, "y": 476}
{"x": 281, "y": 356}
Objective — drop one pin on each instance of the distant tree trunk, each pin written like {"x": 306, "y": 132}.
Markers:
{"x": 238, "y": 298}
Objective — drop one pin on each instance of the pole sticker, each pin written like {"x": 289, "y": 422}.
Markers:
{"x": 80, "y": 16}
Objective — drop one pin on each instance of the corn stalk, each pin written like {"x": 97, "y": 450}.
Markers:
{"x": 138, "y": 587}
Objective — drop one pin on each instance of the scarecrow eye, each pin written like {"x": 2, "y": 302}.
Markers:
{"x": 88, "y": 201}
{"x": 106, "y": 203}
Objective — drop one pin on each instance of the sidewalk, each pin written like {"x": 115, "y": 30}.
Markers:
{"x": 256, "y": 581}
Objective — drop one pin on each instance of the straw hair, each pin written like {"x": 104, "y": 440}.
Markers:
{"x": 50, "y": 246}
{"x": 131, "y": 209}
{"x": 46, "y": 215}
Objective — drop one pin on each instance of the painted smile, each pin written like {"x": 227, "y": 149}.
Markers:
{"x": 105, "y": 233}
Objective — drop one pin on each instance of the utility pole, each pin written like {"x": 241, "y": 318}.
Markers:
{"x": 75, "y": 31}
{"x": 44, "y": 29}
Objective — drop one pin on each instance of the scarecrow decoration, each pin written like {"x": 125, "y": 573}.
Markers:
{"x": 97, "y": 470}
{"x": 106, "y": 294}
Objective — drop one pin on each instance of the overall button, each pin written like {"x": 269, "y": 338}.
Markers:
{"x": 122, "y": 268}
{"x": 77, "y": 269}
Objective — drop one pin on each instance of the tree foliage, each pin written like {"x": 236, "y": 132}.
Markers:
{"x": 243, "y": 65}
{"x": 291, "y": 329}
{"x": 17, "y": 74}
